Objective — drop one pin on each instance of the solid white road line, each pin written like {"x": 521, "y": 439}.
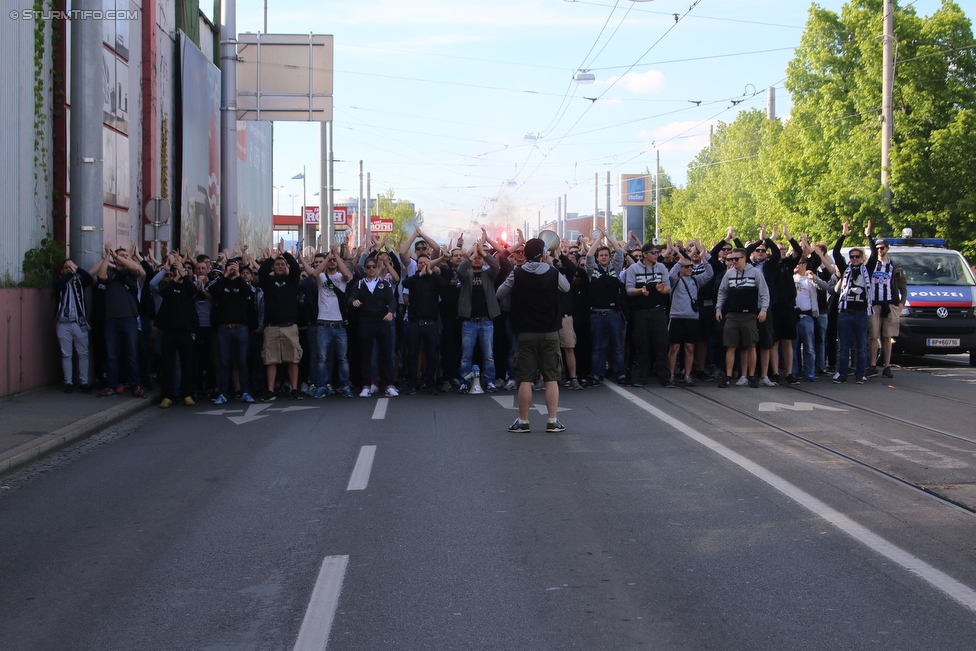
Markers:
{"x": 364, "y": 465}
{"x": 314, "y": 634}
{"x": 379, "y": 413}
{"x": 956, "y": 590}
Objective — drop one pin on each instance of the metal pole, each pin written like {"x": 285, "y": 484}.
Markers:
{"x": 329, "y": 226}
{"x": 538, "y": 228}
{"x": 359, "y": 203}
{"x": 562, "y": 231}
{"x": 87, "y": 230}
{"x": 265, "y": 16}
{"x": 228, "y": 123}
{"x": 367, "y": 208}
{"x": 559, "y": 216}
{"x": 305, "y": 227}
{"x": 606, "y": 221}
{"x": 596, "y": 197}
{"x": 657, "y": 198}
{"x": 771, "y": 103}
{"x": 887, "y": 84}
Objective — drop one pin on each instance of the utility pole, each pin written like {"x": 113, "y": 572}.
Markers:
{"x": 596, "y": 198}
{"x": 606, "y": 221}
{"x": 887, "y": 86}
{"x": 359, "y": 206}
{"x": 657, "y": 197}
{"x": 559, "y": 215}
{"x": 228, "y": 127}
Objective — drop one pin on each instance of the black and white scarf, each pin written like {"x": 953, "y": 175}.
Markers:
{"x": 71, "y": 305}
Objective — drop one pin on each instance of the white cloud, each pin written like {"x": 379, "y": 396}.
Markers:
{"x": 642, "y": 83}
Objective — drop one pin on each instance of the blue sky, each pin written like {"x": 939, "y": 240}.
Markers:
{"x": 437, "y": 96}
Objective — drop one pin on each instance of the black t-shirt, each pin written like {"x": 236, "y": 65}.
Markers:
{"x": 479, "y": 306}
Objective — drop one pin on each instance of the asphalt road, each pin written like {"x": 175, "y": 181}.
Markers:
{"x": 662, "y": 519}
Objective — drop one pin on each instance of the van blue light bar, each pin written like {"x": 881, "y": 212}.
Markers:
{"x": 915, "y": 241}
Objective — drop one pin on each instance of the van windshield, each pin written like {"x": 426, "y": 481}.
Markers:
{"x": 934, "y": 267}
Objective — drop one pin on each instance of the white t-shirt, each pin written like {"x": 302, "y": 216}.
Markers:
{"x": 328, "y": 301}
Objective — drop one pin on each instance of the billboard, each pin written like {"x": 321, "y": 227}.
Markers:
{"x": 636, "y": 190}
{"x": 254, "y": 184}
{"x": 199, "y": 190}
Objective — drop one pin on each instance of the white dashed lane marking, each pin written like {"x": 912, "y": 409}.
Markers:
{"x": 379, "y": 413}
{"x": 364, "y": 466}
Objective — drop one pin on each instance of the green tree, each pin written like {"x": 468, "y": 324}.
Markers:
{"x": 405, "y": 216}
{"x": 728, "y": 182}
{"x": 831, "y": 147}
{"x": 823, "y": 166}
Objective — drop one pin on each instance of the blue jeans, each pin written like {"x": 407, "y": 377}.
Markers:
{"x": 122, "y": 346}
{"x": 821, "y": 342}
{"x": 608, "y": 331}
{"x": 482, "y": 332}
{"x": 332, "y": 341}
{"x": 805, "y": 328}
{"x": 232, "y": 341}
{"x": 852, "y": 330}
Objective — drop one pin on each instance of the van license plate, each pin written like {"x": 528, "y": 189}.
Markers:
{"x": 942, "y": 343}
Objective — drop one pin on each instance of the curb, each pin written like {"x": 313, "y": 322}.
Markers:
{"x": 32, "y": 450}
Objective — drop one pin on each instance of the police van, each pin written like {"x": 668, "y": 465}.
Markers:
{"x": 940, "y": 311}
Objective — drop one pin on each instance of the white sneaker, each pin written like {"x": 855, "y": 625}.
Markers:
{"x": 742, "y": 381}
{"x": 373, "y": 389}
{"x": 766, "y": 382}
{"x": 364, "y": 393}
{"x": 391, "y": 392}
{"x": 511, "y": 385}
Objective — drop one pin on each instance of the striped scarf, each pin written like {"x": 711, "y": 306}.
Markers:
{"x": 847, "y": 286}
{"x": 881, "y": 281}
{"x": 71, "y": 305}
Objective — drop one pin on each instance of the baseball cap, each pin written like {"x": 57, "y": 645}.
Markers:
{"x": 534, "y": 249}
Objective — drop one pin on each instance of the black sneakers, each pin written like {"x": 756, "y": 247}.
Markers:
{"x": 554, "y": 426}
{"x": 520, "y": 426}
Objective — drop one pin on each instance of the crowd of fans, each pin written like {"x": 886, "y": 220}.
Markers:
{"x": 383, "y": 318}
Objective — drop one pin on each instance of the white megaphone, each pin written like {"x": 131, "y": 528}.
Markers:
{"x": 476, "y": 381}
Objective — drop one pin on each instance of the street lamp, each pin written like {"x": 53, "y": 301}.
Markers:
{"x": 278, "y": 189}
{"x": 292, "y": 202}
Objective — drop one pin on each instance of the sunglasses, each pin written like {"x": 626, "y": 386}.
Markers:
{"x": 882, "y": 248}
{"x": 687, "y": 266}
{"x": 733, "y": 258}
{"x": 855, "y": 256}
{"x": 370, "y": 266}
{"x": 728, "y": 248}
{"x": 654, "y": 252}
{"x": 760, "y": 250}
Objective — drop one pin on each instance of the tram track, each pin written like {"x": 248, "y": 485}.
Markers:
{"x": 827, "y": 449}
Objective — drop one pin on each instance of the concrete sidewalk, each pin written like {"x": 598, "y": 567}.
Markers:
{"x": 36, "y": 422}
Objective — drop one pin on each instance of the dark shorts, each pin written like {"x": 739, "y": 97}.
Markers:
{"x": 784, "y": 322}
{"x": 706, "y": 321}
{"x": 767, "y": 334}
{"x": 538, "y": 351}
{"x": 684, "y": 331}
{"x": 740, "y": 330}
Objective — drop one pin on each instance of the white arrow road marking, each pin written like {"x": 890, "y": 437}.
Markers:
{"x": 253, "y": 413}
{"x": 314, "y": 634}
{"x": 364, "y": 466}
{"x": 250, "y": 415}
{"x": 219, "y": 412}
{"x": 796, "y": 406}
{"x": 508, "y": 402}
